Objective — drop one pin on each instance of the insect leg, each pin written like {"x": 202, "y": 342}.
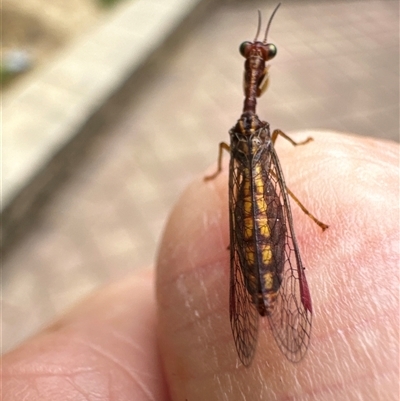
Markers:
{"x": 222, "y": 146}
{"x": 281, "y": 133}
{"x": 263, "y": 86}
{"x": 309, "y": 139}
{"x": 302, "y": 207}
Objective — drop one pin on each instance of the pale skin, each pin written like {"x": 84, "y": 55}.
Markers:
{"x": 126, "y": 343}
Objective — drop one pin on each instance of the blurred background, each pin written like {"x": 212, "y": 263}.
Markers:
{"x": 110, "y": 108}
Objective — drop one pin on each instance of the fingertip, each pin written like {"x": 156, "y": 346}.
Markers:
{"x": 328, "y": 175}
{"x": 105, "y": 345}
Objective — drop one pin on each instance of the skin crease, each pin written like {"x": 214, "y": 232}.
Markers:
{"x": 106, "y": 347}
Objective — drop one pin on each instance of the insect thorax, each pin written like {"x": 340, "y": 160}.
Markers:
{"x": 249, "y": 137}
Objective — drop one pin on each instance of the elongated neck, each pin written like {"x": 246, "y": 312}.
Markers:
{"x": 254, "y": 68}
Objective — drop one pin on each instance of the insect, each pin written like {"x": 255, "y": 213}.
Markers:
{"x": 266, "y": 272}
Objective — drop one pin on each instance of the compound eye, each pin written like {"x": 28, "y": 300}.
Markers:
{"x": 272, "y": 50}
{"x": 244, "y": 48}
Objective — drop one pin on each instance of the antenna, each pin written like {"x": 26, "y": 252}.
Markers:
{"x": 259, "y": 25}
{"x": 269, "y": 23}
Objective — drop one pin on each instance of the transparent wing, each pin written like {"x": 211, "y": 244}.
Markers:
{"x": 291, "y": 316}
{"x": 243, "y": 279}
